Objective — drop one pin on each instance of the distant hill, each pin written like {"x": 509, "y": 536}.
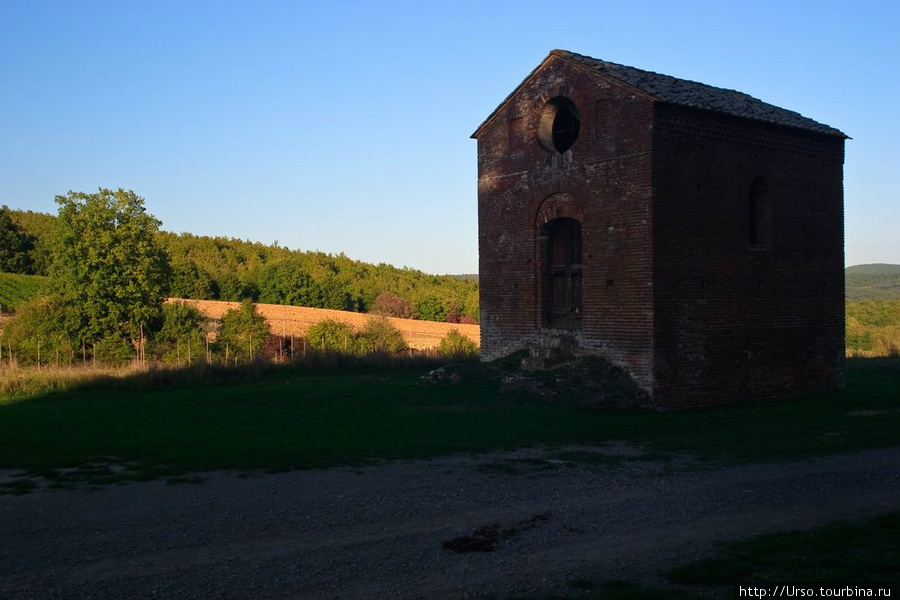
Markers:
{"x": 220, "y": 268}
{"x": 872, "y": 282}
{"x": 16, "y": 289}
{"x": 873, "y": 269}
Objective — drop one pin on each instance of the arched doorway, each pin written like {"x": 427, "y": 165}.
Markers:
{"x": 561, "y": 271}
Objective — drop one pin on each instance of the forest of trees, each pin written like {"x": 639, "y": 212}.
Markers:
{"x": 105, "y": 269}
{"x": 873, "y": 327}
{"x": 220, "y": 268}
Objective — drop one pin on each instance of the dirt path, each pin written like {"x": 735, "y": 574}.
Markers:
{"x": 378, "y": 532}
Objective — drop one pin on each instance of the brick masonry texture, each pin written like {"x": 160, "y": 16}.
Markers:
{"x": 296, "y": 320}
{"x": 676, "y": 288}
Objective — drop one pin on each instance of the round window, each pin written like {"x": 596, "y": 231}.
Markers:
{"x": 560, "y": 124}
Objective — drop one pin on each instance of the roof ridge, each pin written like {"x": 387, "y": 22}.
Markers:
{"x": 695, "y": 94}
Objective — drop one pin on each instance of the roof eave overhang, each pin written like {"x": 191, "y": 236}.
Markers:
{"x": 563, "y": 55}
{"x": 509, "y": 98}
{"x": 826, "y": 130}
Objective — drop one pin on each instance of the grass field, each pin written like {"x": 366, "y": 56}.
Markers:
{"x": 16, "y": 289}
{"x": 838, "y": 554}
{"x": 119, "y": 426}
{"x": 288, "y": 418}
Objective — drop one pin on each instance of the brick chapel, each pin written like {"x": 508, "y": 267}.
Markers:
{"x": 688, "y": 234}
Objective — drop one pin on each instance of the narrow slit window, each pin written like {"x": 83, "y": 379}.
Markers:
{"x": 756, "y": 212}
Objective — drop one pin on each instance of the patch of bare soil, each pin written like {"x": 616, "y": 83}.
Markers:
{"x": 587, "y": 381}
{"x": 395, "y": 531}
{"x": 486, "y": 537}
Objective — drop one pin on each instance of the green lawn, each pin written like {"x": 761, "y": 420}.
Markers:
{"x": 301, "y": 418}
{"x": 293, "y": 417}
{"x": 842, "y": 552}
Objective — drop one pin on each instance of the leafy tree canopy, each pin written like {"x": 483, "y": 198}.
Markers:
{"x": 38, "y": 324}
{"x": 380, "y": 336}
{"x": 432, "y": 308}
{"x": 16, "y": 246}
{"x": 40, "y": 226}
{"x": 243, "y": 331}
{"x": 190, "y": 281}
{"x": 222, "y": 268}
{"x": 391, "y": 305}
{"x": 108, "y": 269}
{"x": 331, "y": 335}
{"x": 181, "y": 338}
{"x": 287, "y": 282}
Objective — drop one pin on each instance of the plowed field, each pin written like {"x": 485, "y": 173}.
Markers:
{"x": 296, "y": 320}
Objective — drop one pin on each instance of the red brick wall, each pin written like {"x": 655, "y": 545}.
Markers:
{"x": 673, "y": 290}
{"x": 606, "y": 180}
{"x": 735, "y": 321}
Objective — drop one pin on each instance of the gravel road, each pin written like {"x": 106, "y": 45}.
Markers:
{"x": 377, "y": 532}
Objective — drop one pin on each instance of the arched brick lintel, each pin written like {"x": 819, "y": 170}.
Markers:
{"x": 556, "y": 206}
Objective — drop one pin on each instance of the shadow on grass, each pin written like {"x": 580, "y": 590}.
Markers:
{"x": 30, "y": 382}
{"x": 842, "y": 552}
{"x": 333, "y": 410}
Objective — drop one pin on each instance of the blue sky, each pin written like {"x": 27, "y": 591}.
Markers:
{"x": 344, "y": 126}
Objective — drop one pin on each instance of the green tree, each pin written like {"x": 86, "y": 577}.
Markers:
{"x": 275, "y": 274}
{"x": 332, "y": 295}
{"x": 16, "y": 245}
{"x": 873, "y": 327}
{"x": 236, "y": 288}
{"x": 181, "y": 338}
{"x": 332, "y": 335}
{"x": 470, "y": 304}
{"x": 113, "y": 349}
{"x": 36, "y": 334}
{"x": 287, "y": 282}
{"x": 243, "y": 332}
{"x": 40, "y": 226}
{"x": 108, "y": 270}
{"x": 190, "y": 281}
{"x": 431, "y": 308}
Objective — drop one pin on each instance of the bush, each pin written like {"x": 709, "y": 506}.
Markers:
{"x": 377, "y": 336}
{"x": 114, "y": 351}
{"x": 181, "y": 338}
{"x": 457, "y": 346}
{"x": 331, "y": 335}
{"x": 36, "y": 334}
{"x": 380, "y": 336}
{"x": 455, "y": 316}
{"x": 243, "y": 332}
{"x": 391, "y": 305}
